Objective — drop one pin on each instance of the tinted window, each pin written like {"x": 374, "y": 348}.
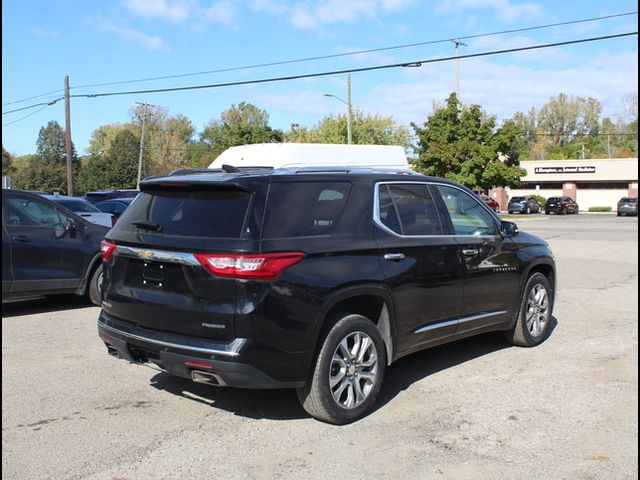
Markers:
{"x": 408, "y": 209}
{"x": 517, "y": 199}
{"x": 107, "y": 207}
{"x": 468, "y": 216}
{"x": 206, "y": 213}
{"x": 77, "y": 205}
{"x": 27, "y": 211}
{"x": 304, "y": 209}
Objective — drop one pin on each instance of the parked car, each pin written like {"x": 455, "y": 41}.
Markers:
{"x": 46, "y": 249}
{"x": 524, "y": 205}
{"x": 628, "y": 206}
{"x": 102, "y": 195}
{"x": 314, "y": 280}
{"x": 84, "y": 209}
{"x": 561, "y": 206}
{"x": 115, "y": 206}
{"x": 493, "y": 205}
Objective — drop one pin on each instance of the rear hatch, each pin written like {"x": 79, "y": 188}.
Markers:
{"x": 156, "y": 278}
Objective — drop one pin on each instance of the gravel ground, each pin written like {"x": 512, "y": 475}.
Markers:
{"x": 475, "y": 409}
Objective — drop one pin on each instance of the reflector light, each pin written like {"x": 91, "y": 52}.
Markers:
{"x": 197, "y": 364}
{"x": 265, "y": 266}
{"x": 106, "y": 250}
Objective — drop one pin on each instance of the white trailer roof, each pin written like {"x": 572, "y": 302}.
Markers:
{"x": 282, "y": 155}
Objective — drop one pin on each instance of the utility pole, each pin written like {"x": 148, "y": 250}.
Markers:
{"x": 67, "y": 136}
{"x": 349, "y": 124}
{"x": 457, "y": 44}
{"x": 144, "y": 121}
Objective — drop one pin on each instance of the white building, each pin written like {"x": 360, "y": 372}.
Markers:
{"x": 590, "y": 182}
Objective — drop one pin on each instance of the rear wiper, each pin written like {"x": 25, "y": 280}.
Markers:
{"x": 148, "y": 225}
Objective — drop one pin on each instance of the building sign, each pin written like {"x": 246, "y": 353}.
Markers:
{"x": 565, "y": 170}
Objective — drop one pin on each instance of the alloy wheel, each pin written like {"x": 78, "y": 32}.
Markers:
{"x": 354, "y": 370}
{"x": 537, "y": 314}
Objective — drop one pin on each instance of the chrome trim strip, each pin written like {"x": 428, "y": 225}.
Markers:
{"x": 157, "y": 255}
{"x": 436, "y": 325}
{"x": 459, "y": 320}
{"x": 169, "y": 344}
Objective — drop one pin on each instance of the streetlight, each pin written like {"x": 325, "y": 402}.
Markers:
{"x": 348, "y": 104}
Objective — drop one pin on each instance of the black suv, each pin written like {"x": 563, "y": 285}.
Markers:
{"x": 561, "y": 206}
{"x": 314, "y": 280}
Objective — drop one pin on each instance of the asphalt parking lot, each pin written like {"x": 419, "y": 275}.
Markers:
{"x": 475, "y": 409}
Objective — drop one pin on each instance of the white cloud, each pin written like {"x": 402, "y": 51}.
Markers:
{"x": 501, "y": 89}
{"x": 395, "y": 5}
{"x": 223, "y": 12}
{"x": 50, "y": 34}
{"x": 176, "y": 11}
{"x": 504, "y": 9}
{"x": 150, "y": 42}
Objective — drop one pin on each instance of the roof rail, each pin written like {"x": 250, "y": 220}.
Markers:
{"x": 224, "y": 169}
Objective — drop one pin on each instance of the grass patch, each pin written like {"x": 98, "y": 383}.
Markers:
{"x": 599, "y": 209}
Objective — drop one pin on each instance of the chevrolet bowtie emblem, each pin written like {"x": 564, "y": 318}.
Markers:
{"x": 146, "y": 254}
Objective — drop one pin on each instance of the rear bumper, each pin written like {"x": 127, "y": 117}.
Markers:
{"x": 626, "y": 210}
{"x": 241, "y": 363}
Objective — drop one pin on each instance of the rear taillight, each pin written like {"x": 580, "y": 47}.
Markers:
{"x": 265, "y": 266}
{"x": 106, "y": 250}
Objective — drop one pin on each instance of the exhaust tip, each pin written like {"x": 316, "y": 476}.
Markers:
{"x": 207, "y": 378}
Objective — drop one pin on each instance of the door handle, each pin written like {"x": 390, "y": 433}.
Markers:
{"x": 394, "y": 257}
{"x": 470, "y": 252}
{"x": 20, "y": 238}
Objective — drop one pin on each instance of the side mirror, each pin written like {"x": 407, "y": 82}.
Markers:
{"x": 508, "y": 229}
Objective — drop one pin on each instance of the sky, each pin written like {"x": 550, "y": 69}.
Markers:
{"x": 125, "y": 45}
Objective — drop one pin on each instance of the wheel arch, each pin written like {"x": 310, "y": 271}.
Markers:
{"x": 371, "y": 301}
{"x": 93, "y": 264}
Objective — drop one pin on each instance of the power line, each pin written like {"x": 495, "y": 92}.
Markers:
{"x": 33, "y": 97}
{"x": 26, "y": 116}
{"x": 358, "y": 52}
{"x": 416, "y": 63}
{"x": 338, "y": 55}
{"x": 46, "y": 104}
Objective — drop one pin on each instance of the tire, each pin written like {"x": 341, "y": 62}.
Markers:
{"x": 365, "y": 365}
{"x": 527, "y": 211}
{"x": 94, "y": 290}
{"x": 534, "y": 316}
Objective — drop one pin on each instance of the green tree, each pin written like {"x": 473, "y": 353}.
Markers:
{"x": 7, "y": 163}
{"x": 463, "y": 144}
{"x": 167, "y": 139}
{"x": 116, "y": 169}
{"x": 366, "y": 129}
{"x": 239, "y": 125}
{"x": 47, "y": 171}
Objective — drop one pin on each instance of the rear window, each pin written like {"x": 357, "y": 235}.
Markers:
{"x": 304, "y": 209}
{"x": 217, "y": 213}
{"x": 628, "y": 200}
{"x": 78, "y": 205}
{"x": 554, "y": 199}
{"x": 517, "y": 199}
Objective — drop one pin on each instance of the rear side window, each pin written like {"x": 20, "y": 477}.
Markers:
{"x": 215, "y": 213}
{"x": 408, "y": 209}
{"x": 304, "y": 209}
